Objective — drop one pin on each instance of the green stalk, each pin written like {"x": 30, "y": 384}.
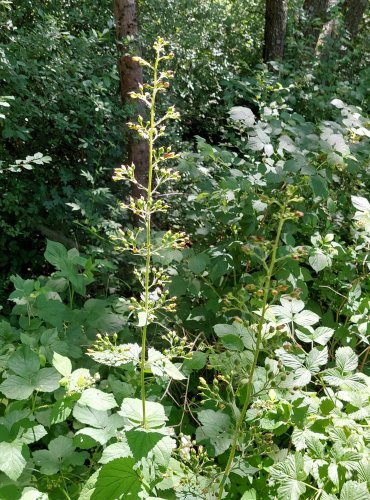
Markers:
{"x": 249, "y": 394}
{"x": 148, "y": 238}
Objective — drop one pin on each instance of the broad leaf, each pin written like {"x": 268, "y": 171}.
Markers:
{"x": 118, "y": 480}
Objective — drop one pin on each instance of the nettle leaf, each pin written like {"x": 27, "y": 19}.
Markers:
{"x": 132, "y": 412}
{"x": 152, "y": 445}
{"x": 352, "y": 490}
{"x": 118, "y": 480}
{"x": 12, "y": 462}
{"x": 62, "y": 364}
{"x": 290, "y": 476}
{"x": 30, "y": 493}
{"x": 216, "y": 427}
{"x": 346, "y": 359}
{"x": 99, "y": 400}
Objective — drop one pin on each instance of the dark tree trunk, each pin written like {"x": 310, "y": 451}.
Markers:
{"x": 131, "y": 77}
{"x": 353, "y": 13}
{"x": 276, "y": 17}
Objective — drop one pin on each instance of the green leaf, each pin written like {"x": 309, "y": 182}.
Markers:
{"x": 152, "y": 445}
{"x": 118, "y": 480}
{"x": 198, "y": 263}
{"x": 30, "y": 493}
{"x": 319, "y": 260}
{"x": 216, "y": 426}
{"x": 116, "y": 450}
{"x": 132, "y": 412}
{"x": 62, "y": 364}
{"x": 24, "y": 362}
{"x": 197, "y": 361}
{"x": 345, "y": 359}
{"x": 354, "y": 491}
{"x": 15, "y": 387}
{"x": 249, "y": 495}
{"x": 12, "y": 461}
{"x": 61, "y": 410}
{"x": 290, "y": 476}
{"x": 46, "y": 380}
{"x": 61, "y": 453}
{"x": 160, "y": 365}
{"x": 99, "y": 400}
{"x": 316, "y": 358}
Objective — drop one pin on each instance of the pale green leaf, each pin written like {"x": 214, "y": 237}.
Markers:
{"x": 62, "y": 364}
{"x": 96, "y": 399}
{"x": 132, "y": 412}
{"x": 12, "y": 461}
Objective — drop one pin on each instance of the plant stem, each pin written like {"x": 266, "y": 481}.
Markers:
{"x": 249, "y": 394}
{"x": 148, "y": 237}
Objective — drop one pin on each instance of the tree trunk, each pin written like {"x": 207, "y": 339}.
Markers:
{"x": 131, "y": 77}
{"x": 353, "y": 13}
{"x": 316, "y": 15}
{"x": 329, "y": 30}
{"x": 276, "y": 17}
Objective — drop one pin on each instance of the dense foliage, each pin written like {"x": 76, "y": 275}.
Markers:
{"x": 209, "y": 339}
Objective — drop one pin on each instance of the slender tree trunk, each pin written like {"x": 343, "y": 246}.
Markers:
{"x": 131, "y": 77}
{"x": 353, "y": 13}
{"x": 329, "y": 29}
{"x": 276, "y": 18}
{"x": 316, "y": 14}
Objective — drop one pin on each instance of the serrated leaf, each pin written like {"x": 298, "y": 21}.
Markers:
{"x": 118, "y": 480}
{"x": 290, "y": 476}
{"x": 316, "y": 358}
{"x": 116, "y": 450}
{"x": 322, "y": 335}
{"x": 132, "y": 412}
{"x": 243, "y": 114}
{"x": 352, "y": 490}
{"x": 346, "y": 359}
{"x": 216, "y": 426}
{"x": 12, "y": 461}
{"x": 151, "y": 444}
{"x": 319, "y": 260}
